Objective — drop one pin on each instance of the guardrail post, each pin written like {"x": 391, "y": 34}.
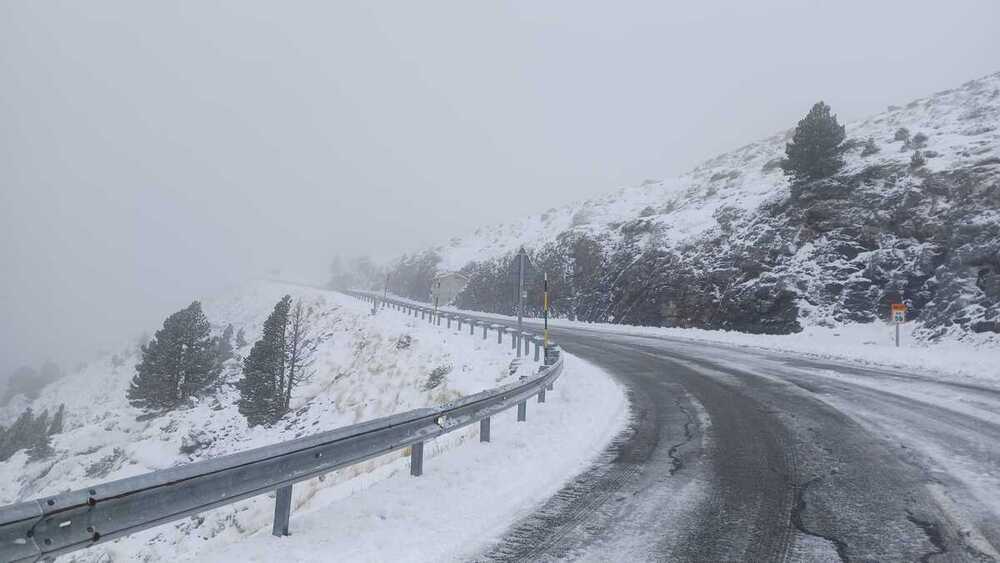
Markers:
{"x": 484, "y": 430}
{"x": 522, "y": 411}
{"x": 515, "y": 339}
{"x": 459, "y": 324}
{"x": 527, "y": 343}
{"x": 499, "y": 334}
{"x": 486, "y": 328}
{"x": 417, "y": 459}
{"x": 472, "y": 327}
{"x": 541, "y": 394}
{"x": 551, "y": 357}
{"x": 538, "y": 350}
{"x": 449, "y": 320}
{"x": 282, "y": 510}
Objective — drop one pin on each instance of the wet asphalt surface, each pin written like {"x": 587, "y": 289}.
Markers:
{"x": 744, "y": 455}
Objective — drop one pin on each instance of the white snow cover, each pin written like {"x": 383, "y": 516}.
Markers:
{"x": 960, "y": 125}
{"x": 369, "y": 367}
{"x": 466, "y": 499}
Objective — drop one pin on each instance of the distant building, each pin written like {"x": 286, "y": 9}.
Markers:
{"x": 446, "y": 287}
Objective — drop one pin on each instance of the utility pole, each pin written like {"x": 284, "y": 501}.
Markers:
{"x": 437, "y": 293}
{"x": 545, "y": 308}
{"x": 521, "y": 256}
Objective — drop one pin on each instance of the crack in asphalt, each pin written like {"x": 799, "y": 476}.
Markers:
{"x": 933, "y": 533}
{"x": 800, "y": 507}
{"x": 676, "y": 463}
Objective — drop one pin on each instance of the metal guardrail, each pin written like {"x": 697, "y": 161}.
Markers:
{"x": 40, "y": 529}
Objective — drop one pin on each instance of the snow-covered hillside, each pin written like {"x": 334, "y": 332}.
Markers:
{"x": 733, "y": 244}
{"x": 368, "y": 367}
{"x": 961, "y": 125}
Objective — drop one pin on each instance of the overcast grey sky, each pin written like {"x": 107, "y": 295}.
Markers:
{"x": 154, "y": 152}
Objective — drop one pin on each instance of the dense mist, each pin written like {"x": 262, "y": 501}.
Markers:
{"x": 153, "y": 154}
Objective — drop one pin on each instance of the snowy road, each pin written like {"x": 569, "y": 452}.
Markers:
{"x": 741, "y": 454}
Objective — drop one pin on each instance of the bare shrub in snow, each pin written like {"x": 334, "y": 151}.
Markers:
{"x": 437, "y": 377}
{"x": 870, "y": 147}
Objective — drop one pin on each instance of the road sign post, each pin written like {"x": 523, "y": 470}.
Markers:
{"x": 898, "y": 317}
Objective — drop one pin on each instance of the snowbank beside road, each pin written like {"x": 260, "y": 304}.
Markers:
{"x": 870, "y": 344}
{"x": 466, "y": 498}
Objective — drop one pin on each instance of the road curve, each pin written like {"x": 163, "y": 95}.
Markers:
{"x": 744, "y": 455}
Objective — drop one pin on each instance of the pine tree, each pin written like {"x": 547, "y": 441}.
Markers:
{"x": 815, "y": 149}
{"x": 177, "y": 364}
{"x": 264, "y": 370}
{"x": 278, "y": 362}
{"x": 39, "y": 444}
{"x": 56, "y": 427}
{"x": 224, "y": 346}
{"x": 18, "y": 436}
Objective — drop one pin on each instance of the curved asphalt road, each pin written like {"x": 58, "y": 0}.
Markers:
{"x": 742, "y": 455}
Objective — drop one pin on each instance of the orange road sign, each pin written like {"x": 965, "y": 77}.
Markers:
{"x": 899, "y": 312}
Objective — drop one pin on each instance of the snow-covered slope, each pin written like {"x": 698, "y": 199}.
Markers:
{"x": 961, "y": 125}
{"x": 369, "y": 367}
{"x": 734, "y": 245}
